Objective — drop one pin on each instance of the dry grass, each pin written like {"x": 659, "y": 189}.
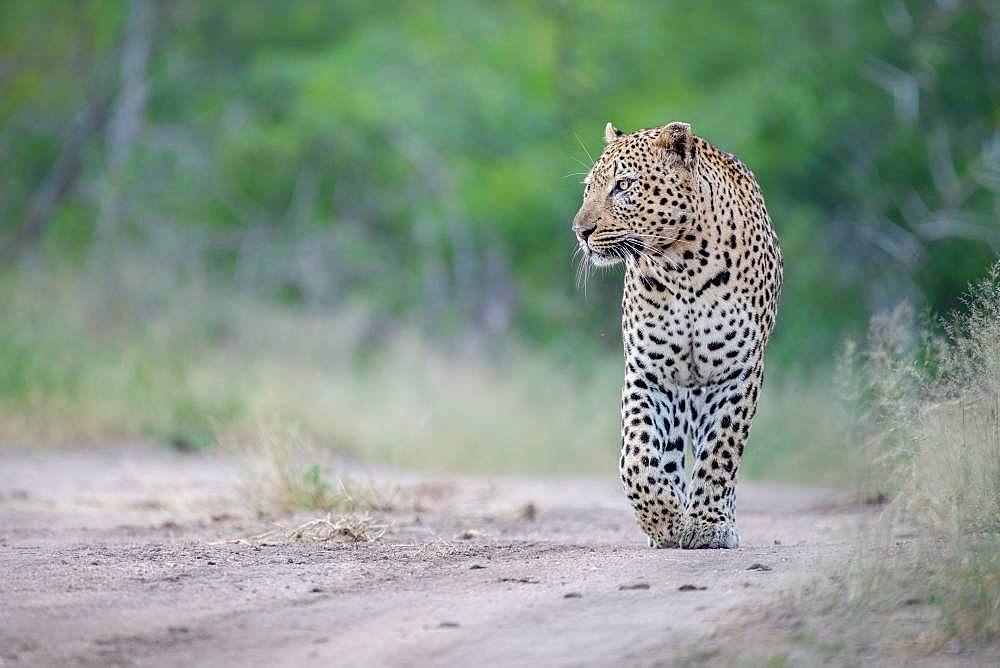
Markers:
{"x": 926, "y": 401}
{"x": 288, "y": 474}
{"x": 191, "y": 365}
{"x": 349, "y": 528}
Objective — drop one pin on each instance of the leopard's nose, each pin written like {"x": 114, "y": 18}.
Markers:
{"x": 583, "y": 232}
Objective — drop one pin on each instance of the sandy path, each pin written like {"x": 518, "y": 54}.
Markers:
{"x": 110, "y": 558}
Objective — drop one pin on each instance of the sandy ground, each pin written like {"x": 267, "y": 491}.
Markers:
{"x": 118, "y": 557}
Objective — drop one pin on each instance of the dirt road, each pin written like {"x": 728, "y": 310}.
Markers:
{"x": 114, "y": 558}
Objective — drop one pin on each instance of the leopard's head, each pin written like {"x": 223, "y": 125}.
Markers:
{"x": 639, "y": 197}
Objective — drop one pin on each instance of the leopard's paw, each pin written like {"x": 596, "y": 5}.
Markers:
{"x": 701, "y": 534}
{"x": 661, "y": 544}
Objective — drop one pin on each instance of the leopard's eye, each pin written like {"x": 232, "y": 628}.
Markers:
{"x": 623, "y": 184}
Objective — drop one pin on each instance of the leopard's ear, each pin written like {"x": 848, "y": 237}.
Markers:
{"x": 611, "y": 133}
{"x": 677, "y": 139}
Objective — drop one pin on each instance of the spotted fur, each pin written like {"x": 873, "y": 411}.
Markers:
{"x": 703, "y": 275}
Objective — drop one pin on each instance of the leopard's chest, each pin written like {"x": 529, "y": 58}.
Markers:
{"x": 679, "y": 338}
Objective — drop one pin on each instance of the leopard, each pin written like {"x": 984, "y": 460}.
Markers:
{"x": 703, "y": 273}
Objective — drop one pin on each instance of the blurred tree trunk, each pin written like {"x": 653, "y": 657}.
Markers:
{"x": 136, "y": 51}
{"x": 63, "y": 174}
{"x": 127, "y": 119}
{"x": 476, "y": 285}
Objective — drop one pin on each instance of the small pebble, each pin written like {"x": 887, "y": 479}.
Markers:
{"x": 634, "y": 585}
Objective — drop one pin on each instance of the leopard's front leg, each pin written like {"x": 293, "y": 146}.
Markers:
{"x": 724, "y": 414}
{"x": 652, "y": 460}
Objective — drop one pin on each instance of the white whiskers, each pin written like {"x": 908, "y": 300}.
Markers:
{"x": 580, "y": 142}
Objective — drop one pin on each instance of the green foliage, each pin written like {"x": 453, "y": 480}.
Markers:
{"x": 424, "y": 157}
